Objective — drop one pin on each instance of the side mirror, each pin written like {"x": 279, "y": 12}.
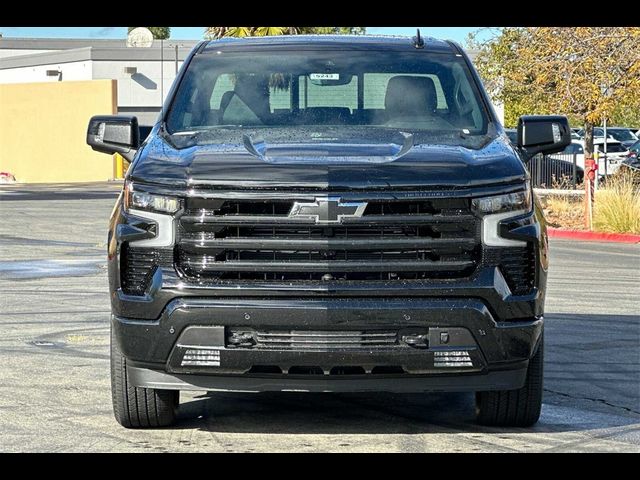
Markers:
{"x": 543, "y": 134}
{"x": 114, "y": 134}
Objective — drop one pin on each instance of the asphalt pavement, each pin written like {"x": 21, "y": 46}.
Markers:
{"x": 55, "y": 391}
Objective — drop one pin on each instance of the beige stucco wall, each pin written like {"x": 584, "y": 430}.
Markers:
{"x": 43, "y": 127}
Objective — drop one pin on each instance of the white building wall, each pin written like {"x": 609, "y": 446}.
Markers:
{"x": 142, "y": 89}
{"x": 70, "y": 72}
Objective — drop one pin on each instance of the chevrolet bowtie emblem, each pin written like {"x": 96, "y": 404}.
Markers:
{"x": 327, "y": 210}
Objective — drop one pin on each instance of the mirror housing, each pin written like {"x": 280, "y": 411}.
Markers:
{"x": 114, "y": 134}
{"x": 543, "y": 134}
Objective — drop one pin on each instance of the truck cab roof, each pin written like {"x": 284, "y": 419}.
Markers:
{"x": 359, "y": 42}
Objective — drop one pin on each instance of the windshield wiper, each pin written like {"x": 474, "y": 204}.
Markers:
{"x": 257, "y": 148}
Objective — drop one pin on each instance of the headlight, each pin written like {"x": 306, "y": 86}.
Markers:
{"x": 497, "y": 208}
{"x": 504, "y": 203}
{"x": 150, "y": 202}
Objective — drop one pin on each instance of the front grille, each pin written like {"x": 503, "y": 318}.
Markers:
{"x": 392, "y": 240}
{"x": 137, "y": 266}
{"x": 306, "y": 340}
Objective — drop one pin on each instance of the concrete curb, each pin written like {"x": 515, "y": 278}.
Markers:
{"x": 593, "y": 236}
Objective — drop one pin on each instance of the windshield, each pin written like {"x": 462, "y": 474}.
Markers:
{"x": 328, "y": 96}
{"x": 623, "y": 135}
{"x": 620, "y": 134}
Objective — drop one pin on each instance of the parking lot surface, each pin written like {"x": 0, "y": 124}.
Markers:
{"x": 54, "y": 349}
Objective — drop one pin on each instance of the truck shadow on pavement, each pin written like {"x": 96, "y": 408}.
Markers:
{"x": 592, "y": 373}
{"x": 327, "y": 413}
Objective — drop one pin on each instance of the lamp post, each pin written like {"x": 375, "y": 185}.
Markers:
{"x": 606, "y": 94}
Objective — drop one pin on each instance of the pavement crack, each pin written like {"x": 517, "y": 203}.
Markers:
{"x": 598, "y": 400}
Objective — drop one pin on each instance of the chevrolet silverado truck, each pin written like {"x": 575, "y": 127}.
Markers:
{"x": 327, "y": 214}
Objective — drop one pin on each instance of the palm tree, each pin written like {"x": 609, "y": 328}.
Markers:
{"x": 276, "y": 80}
{"x": 219, "y": 32}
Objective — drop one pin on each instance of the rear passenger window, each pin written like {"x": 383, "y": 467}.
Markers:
{"x": 375, "y": 89}
{"x": 224, "y": 83}
{"x": 280, "y": 93}
{"x": 342, "y": 96}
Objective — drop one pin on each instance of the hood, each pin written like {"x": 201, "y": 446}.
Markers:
{"x": 311, "y": 166}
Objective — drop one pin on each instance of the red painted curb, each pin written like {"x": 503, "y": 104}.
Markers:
{"x": 593, "y": 236}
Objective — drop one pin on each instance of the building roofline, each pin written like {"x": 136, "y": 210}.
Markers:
{"x": 116, "y": 50}
{"x": 95, "y": 54}
{"x": 17, "y": 43}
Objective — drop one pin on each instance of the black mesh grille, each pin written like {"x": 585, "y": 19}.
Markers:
{"x": 138, "y": 266}
{"x": 517, "y": 264}
{"x": 312, "y": 339}
{"x": 392, "y": 240}
{"x": 518, "y": 267}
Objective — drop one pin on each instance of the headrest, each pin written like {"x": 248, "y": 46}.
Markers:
{"x": 410, "y": 95}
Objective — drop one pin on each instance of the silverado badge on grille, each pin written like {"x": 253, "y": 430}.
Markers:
{"x": 327, "y": 210}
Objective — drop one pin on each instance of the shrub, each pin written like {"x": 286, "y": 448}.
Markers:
{"x": 564, "y": 211}
{"x": 617, "y": 207}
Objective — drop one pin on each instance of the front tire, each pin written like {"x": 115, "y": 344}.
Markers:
{"x": 515, "y": 408}
{"x": 136, "y": 407}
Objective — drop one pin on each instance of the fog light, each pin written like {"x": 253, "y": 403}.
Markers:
{"x": 452, "y": 358}
{"x": 201, "y": 358}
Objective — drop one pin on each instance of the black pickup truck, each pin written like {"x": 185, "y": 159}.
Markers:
{"x": 327, "y": 214}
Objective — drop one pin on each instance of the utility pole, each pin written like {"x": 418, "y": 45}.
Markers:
{"x": 605, "y": 144}
{"x": 606, "y": 93}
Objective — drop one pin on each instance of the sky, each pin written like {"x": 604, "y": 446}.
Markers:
{"x": 458, "y": 34}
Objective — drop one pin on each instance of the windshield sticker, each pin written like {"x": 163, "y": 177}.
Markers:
{"x": 324, "y": 76}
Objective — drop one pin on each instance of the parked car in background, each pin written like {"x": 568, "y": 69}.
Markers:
{"x": 632, "y": 163}
{"x": 624, "y": 135}
{"x": 616, "y": 154}
{"x": 634, "y": 152}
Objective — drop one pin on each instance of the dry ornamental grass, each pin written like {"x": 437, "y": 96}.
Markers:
{"x": 562, "y": 211}
{"x": 617, "y": 207}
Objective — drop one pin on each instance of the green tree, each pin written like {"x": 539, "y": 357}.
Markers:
{"x": 586, "y": 73}
{"x": 219, "y": 32}
{"x": 159, "y": 33}
{"x": 334, "y": 30}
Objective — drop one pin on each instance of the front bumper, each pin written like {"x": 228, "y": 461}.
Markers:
{"x": 500, "y": 380}
{"x": 465, "y": 348}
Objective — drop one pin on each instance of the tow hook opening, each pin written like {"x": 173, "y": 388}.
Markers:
{"x": 241, "y": 339}
{"x": 416, "y": 340}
